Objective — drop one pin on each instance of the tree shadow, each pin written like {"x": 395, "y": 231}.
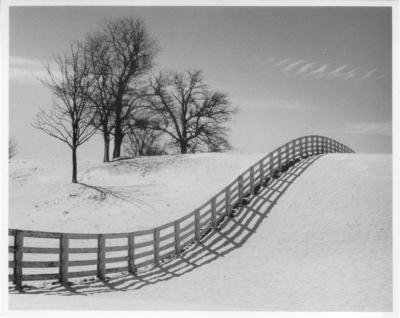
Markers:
{"x": 152, "y": 164}
{"x": 232, "y": 233}
{"x": 137, "y": 195}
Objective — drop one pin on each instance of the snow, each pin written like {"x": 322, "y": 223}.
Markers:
{"x": 319, "y": 238}
{"x": 121, "y": 196}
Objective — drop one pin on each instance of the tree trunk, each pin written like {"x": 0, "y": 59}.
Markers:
{"x": 184, "y": 145}
{"x": 117, "y": 144}
{"x": 106, "y": 147}
{"x": 74, "y": 165}
{"x": 118, "y": 130}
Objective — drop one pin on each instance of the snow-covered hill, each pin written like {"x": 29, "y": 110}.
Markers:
{"x": 317, "y": 239}
{"x": 121, "y": 196}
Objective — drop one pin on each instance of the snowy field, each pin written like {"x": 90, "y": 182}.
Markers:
{"x": 319, "y": 238}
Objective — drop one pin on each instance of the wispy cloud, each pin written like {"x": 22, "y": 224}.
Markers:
{"x": 381, "y": 129}
{"x": 283, "y": 104}
{"x": 316, "y": 70}
{"x": 336, "y": 73}
{"x": 368, "y": 74}
{"x": 305, "y": 68}
{"x": 319, "y": 71}
{"x": 24, "y": 71}
{"x": 350, "y": 74}
{"x": 281, "y": 63}
{"x": 268, "y": 62}
{"x": 293, "y": 65}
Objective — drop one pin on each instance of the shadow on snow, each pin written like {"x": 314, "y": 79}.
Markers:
{"x": 232, "y": 234}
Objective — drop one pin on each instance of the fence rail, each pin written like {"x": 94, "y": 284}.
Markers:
{"x": 152, "y": 246}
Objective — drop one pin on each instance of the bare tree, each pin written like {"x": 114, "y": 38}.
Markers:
{"x": 129, "y": 56}
{"x": 69, "y": 119}
{"x": 13, "y": 148}
{"x": 182, "y": 106}
{"x": 104, "y": 90}
{"x": 144, "y": 142}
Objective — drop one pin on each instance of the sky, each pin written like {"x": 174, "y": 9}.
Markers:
{"x": 292, "y": 71}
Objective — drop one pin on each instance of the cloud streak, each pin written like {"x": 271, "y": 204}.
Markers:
{"x": 368, "y": 74}
{"x": 24, "y": 71}
{"x": 336, "y": 73}
{"x": 305, "y": 68}
{"x": 380, "y": 129}
{"x": 315, "y": 70}
{"x": 293, "y": 65}
{"x": 282, "y": 104}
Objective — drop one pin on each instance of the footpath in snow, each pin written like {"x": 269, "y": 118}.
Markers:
{"x": 319, "y": 238}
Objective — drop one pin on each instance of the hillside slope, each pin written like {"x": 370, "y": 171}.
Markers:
{"x": 317, "y": 239}
{"x": 120, "y": 196}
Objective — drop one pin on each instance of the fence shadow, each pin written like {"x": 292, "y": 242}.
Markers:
{"x": 232, "y": 234}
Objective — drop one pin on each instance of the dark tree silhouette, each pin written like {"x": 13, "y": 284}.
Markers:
{"x": 181, "y": 105}
{"x": 128, "y": 56}
{"x": 69, "y": 119}
{"x": 144, "y": 142}
{"x": 13, "y": 148}
{"x": 104, "y": 90}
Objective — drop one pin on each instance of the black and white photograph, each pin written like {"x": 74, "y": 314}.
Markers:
{"x": 199, "y": 158}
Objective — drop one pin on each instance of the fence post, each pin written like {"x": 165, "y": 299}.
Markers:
{"x": 228, "y": 201}
{"x": 214, "y": 212}
{"x": 252, "y": 180}
{"x": 131, "y": 243}
{"x": 313, "y": 145}
{"x": 240, "y": 186}
{"x": 306, "y": 145}
{"x": 177, "y": 238}
{"x": 64, "y": 245}
{"x": 287, "y": 154}
{"x": 279, "y": 160}
{"x": 294, "y": 150}
{"x": 19, "y": 245}
{"x": 101, "y": 265}
{"x": 197, "y": 225}
{"x": 262, "y": 176}
{"x": 316, "y": 144}
{"x": 321, "y": 144}
{"x": 301, "y": 147}
{"x": 157, "y": 246}
{"x": 271, "y": 165}
{"x": 326, "y": 145}
{"x": 331, "y": 146}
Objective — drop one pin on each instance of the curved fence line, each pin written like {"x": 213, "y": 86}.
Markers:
{"x": 144, "y": 248}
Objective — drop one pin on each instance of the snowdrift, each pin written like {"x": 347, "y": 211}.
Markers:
{"x": 318, "y": 238}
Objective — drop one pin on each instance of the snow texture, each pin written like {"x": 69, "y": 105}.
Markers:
{"x": 318, "y": 238}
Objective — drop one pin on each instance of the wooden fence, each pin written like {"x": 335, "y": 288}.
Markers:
{"x": 143, "y": 248}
